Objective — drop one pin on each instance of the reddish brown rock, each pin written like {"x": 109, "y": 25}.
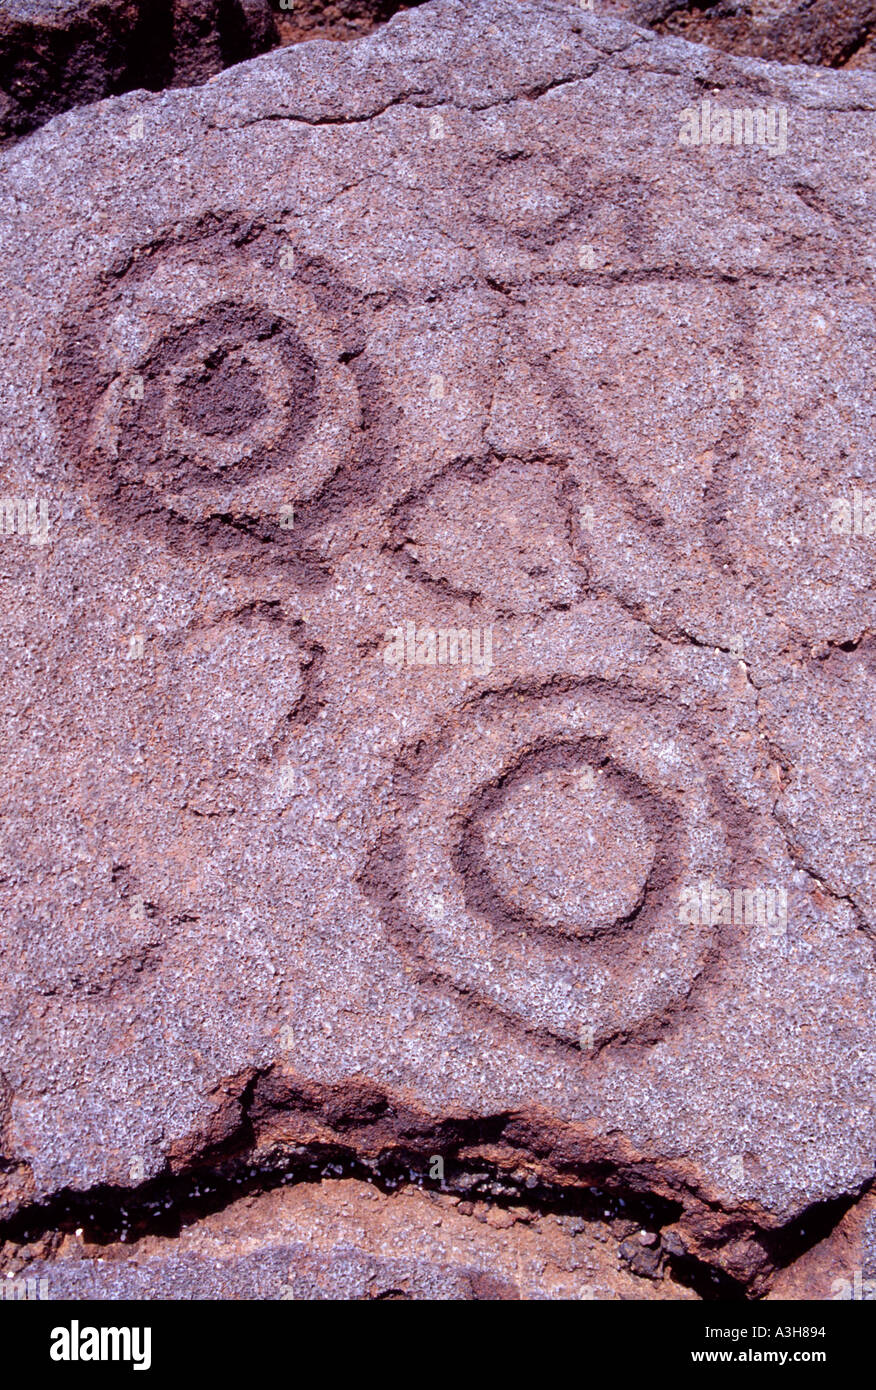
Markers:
{"x": 346, "y": 1240}
{"x": 299, "y": 21}
{"x": 842, "y": 1267}
{"x": 830, "y": 33}
{"x": 422, "y": 735}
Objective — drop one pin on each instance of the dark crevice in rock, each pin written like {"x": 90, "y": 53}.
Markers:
{"x": 167, "y": 1204}
{"x": 364, "y": 1135}
{"x": 164, "y": 1206}
{"x": 785, "y": 1246}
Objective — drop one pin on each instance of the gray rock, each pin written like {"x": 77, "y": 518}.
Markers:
{"x": 445, "y": 328}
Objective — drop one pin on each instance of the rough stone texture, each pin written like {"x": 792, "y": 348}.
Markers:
{"x": 841, "y": 1267}
{"x": 334, "y": 19}
{"x": 442, "y": 327}
{"x": 55, "y": 54}
{"x": 346, "y": 1240}
{"x": 831, "y": 33}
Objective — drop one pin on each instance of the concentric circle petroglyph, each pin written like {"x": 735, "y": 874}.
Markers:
{"x": 291, "y": 371}
{"x": 520, "y": 839}
{"x": 570, "y": 950}
{"x": 199, "y": 386}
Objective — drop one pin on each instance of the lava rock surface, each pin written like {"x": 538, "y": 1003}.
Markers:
{"x": 440, "y": 601}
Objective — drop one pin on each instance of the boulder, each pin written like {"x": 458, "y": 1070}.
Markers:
{"x": 438, "y": 557}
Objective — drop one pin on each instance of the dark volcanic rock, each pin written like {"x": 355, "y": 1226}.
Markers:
{"x": 55, "y": 54}
{"x": 831, "y": 33}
